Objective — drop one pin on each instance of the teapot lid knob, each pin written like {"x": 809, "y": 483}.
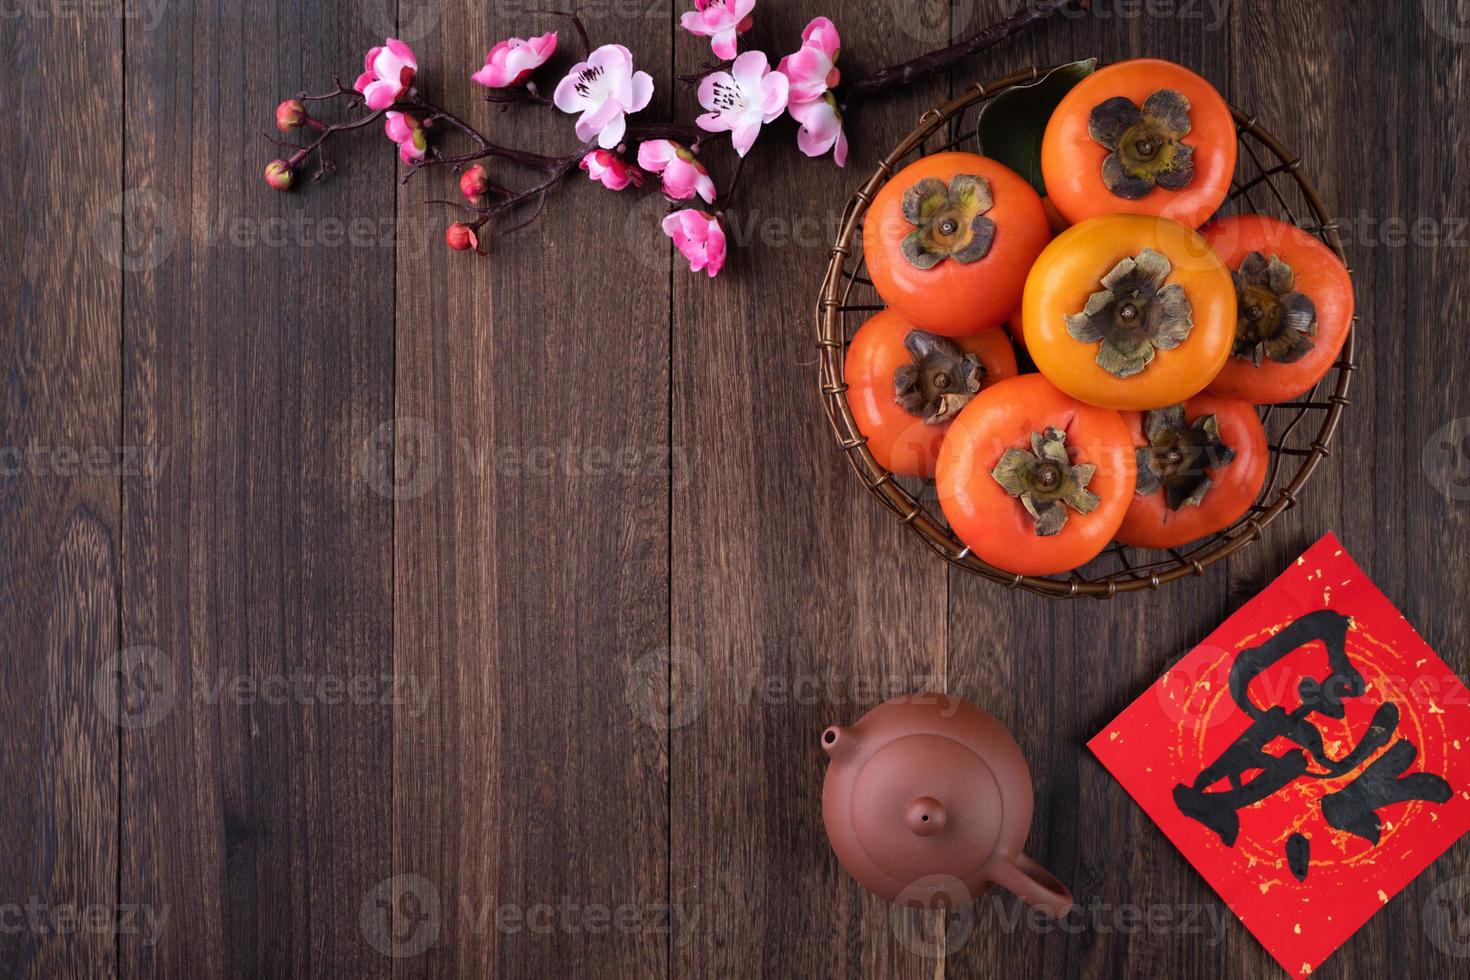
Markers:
{"x": 925, "y": 816}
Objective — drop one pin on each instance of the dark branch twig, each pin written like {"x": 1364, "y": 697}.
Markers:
{"x": 916, "y": 68}
{"x": 705, "y": 69}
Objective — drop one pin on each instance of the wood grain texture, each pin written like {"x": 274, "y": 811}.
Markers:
{"x": 59, "y": 419}
{"x": 532, "y": 571}
{"x": 258, "y": 356}
{"x": 792, "y": 592}
{"x": 578, "y": 513}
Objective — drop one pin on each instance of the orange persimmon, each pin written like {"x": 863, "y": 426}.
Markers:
{"x": 1140, "y": 137}
{"x": 1129, "y": 312}
{"x": 949, "y": 239}
{"x": 1034, "y": 481}
{"x": 905, "y": 386}
{"x": 1294, "y": 302}
{"x": 1200, "y": 465}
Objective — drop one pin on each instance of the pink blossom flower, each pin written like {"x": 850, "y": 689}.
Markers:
{"x": 410, "y": 135}
{"x": 684, "y": 176}
{"x": 603, "y": 89}
{"x": 699, "y": 237}
{"x": 813, "y": 68}
{"x": 613, "y": 171}
{"x": 389, "y": 72}
{"x": 512, "y": 62}
{"x": 720, "y": 21}
{"x": 821, "y": 128}
{"x": 743, "y": 99}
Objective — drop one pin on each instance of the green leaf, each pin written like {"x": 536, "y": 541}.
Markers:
{"x": 1011, "y": 125}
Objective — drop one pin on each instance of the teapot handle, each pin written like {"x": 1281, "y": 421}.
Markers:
{"x": 1031, "y": 882}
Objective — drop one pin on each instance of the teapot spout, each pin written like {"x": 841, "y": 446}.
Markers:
{"x": 836, "y": 741}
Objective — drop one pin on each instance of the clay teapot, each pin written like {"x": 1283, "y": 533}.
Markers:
{"x": 928, "y": 798}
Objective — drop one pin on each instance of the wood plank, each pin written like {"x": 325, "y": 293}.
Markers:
{"x": 259, "y": 356}
{"x": 800, "y": 600}
{"x": 1393, "y": 489}
{"x": 1056, "y": 671}
{"x": 59, "y": 476}
{"x": 532, "y": 571}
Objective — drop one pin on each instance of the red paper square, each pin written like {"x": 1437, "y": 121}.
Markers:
{"x": 1164, "y": 742}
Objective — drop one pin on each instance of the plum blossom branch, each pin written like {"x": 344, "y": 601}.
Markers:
{"x": 740, "y": 93}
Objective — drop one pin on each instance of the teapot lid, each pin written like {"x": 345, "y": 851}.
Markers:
{"x": 916, "y": 797}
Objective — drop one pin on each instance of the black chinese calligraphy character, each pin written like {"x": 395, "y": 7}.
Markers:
{"x": 1352, "y": 808}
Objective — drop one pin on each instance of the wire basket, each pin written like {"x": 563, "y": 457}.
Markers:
{"x": 1269, "y": 181}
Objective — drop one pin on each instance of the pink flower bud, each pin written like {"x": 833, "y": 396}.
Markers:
{"x": 474, "y": 183}
{"x": 461, "y": 237}
{"x": 290, "y": 115}
{"x": 278, "y": 174}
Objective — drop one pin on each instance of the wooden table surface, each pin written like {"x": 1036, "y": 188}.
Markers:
{"x": 305, "y": 692}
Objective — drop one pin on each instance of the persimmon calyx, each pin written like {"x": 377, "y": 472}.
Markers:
{"x": 1179, "y": 456}
{"x": 1273, "y": 321}
{"x": 1133, "y": 315}
{"x": 939, "y": 381}
{"x": 1046, "y": 481}
{"x": 1146, "y": 144}
{"x": 949, "y": 220}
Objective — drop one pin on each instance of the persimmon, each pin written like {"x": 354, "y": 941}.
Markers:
{"x": 1032, "y": 480}
{"x": 1140, "y": 137}
{"x": 1128, "y": 311}
{"x": 1058, "y": 224}
{"x": 949, "y": 239}
{"x": 1200, "y": 465}
{"x": 906, "y": 385}
{"x": 1294, "y": 301}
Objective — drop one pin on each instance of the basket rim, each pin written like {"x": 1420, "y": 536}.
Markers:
{"x": 881, "y": 483}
